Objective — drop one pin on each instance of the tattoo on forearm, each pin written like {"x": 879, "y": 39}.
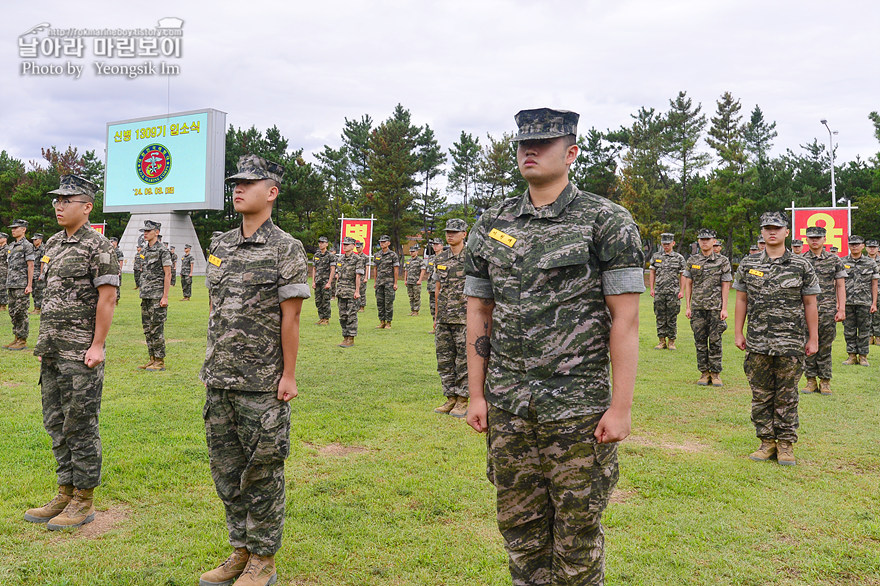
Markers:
{"x": 486, "y": 301}
{"x": 482, "y": 346}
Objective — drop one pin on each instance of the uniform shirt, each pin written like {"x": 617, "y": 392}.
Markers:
{"x": 323, "y": 262}
{"x": 153, "y": 277}
{"x": 828, "y": 267}
{"x": 38, "y": 265}
{"x": 4, "y": 264}
{"x": 75, "y": 267}
{"x": 667, "y": 270}
{"x": 775, "y": 288}
{"x": 385, "y": 263}
{"x": 248, "y": 278}
{"x": 17, "y": 256}
{"x": 173, "y": 260}
{"x": 452, "y": 306}
{"x": 414, "y": 270}
{"x": 186, "y": 264}
{"x": 707, "y": 274}
{"x": 549, "y": 271}
{"x": 347, "y": 268}
{"x": 138, "y": 261}
{"x": 860, "y": 273}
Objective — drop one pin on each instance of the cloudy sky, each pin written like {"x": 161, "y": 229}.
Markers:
{"x": 457, "y": 65}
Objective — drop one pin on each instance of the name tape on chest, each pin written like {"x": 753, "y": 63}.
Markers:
{"x": 756, "y": 273}
{"x": 505, "y": 239}
{"x": 847, "y": 267}
{"x": 214, "y": 260}
{"x": 698, "y": 267}
{"x": 44, "y": 259}
{"x": 441, "y": 267}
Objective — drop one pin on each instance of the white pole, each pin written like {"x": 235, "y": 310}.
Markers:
{"x": 831, "y": 147}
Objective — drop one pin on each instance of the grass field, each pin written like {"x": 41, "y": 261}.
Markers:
{"x": 383, "y": 491}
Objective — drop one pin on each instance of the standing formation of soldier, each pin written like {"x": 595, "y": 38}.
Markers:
{"x": 861, "y": 301}
{"x": 387, "y": 267}
{"x": 20, "y": 260}
{"x": 667, "y": 289}
{"x": 414, "y": 273}
{"x": 4, "y": 269}
{"x": 155, "y": 283}
{"x": 38, "y": 285}
{"x": 186, "y": 272}
{"x": 325, "y": 265}
{"x": 350, "y": 270}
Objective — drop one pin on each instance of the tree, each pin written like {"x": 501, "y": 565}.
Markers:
{"x": 758, "y": 136}
{"x": 684, "y": 127}
{"x": 595, "y": 169}
{"x": 497, "y": 170}
{"x": 431, "y": 160}
{"x": 465, "y": 165}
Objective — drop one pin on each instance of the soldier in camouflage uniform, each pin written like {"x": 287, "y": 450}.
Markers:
{"x": 861, "y": 301}
{"x": 450, "y": 323}
{"x": 325, "y": 265}
{"x": 38, "y": 284}
{"x": 137, "y": 268}
{"x": 667, "y": 289}
{"x": 173, "y": 266}
{"x": 349, "y": 272}
{"x": 777, "y": 290}
{"x": 413, "y": 274}
{"x": 20, "y": 274}
{"x": 186, "y": 272}
{"x": 117, "y": 252}
{"x": 831, "y": 304}
{"x": 871, "y": 248}
{"x": 257, "y": 279}
{"x": 4, "y": 269}
{"x": 359, "y": 249}
{"x": 552, "y": 275}
{"x": 437, "y": 247}
{"x": 707, "y": 283}
{"x": 387, "y": 265}
{"x": 81, "y": 274}
{"x": 155, "y": 283}
{"x": 797, "y": 246}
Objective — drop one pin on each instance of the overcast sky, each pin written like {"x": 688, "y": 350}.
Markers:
{"x": 457, "y": 65}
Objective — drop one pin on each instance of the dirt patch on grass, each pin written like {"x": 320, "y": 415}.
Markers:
{"x": 337, "y": 449}
{"x": 621, "y": 496}
{"x": 12, "y": 385}
{"x": 687, "y": 446}
{"x": 112, "y": 518}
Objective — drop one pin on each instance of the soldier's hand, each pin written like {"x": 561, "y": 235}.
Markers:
{"x": 327, "y": 286}
{"x": 477, "y": 414}
{"x": 395, "y": 288}
{"x": 94, "y": 357}
{"x": 28, "y": 290}
{"x": 874, "y": 308}
{"x": 739, "y": 341}
{"x": 357, "y": 294}
{"x": 287, "y": 388}
{"x": 840, "y": 315}
{"x": 652, "y": 292}
{"x": 723, "y": 315}
{"x": 614, "y": 426}
{"x": 812, "y": 347}
{"x": 687, "y": 313}
{"x": 680, "y": 295}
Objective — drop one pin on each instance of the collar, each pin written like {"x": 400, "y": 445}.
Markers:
{"x": 765, "y": 258}
{"x": 552, "y": 211}
{"x": 76, "y": 236}
{"x": 261, "y": 236}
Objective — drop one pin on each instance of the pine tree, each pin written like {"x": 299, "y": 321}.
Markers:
{"x": 684, "y": 128}
{"x": 465, "y": 165}
{"x": 497, "y": 169}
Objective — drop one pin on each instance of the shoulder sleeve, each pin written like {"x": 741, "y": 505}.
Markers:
{"x": 165, "y": 255}
{"x": 29, "y": 252}
{"x": 293, "y": 270}
{"x": 476, "y": 267}
{"x": 103, "y": 264}
{"x": 619, "y": 250}
{"x": 687, "y": 268}
{"x": 738, "y": 283}
{"x": 726, "y": 270}
{"x": 810, "y": 284}
{"x": 840, "y": 271}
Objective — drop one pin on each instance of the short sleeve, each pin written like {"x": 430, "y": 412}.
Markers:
{"x": 476, "y": 268}
{"x": 103, "y": 265}
{"x": 726, "y": 271}
{"x": 810, "y": 282}
{"x": 618, "y": 247}
{"x": 293, "y": 271}
{"x": 738, "y": 283}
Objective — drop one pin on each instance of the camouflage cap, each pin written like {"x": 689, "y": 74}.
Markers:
{"x": 456, "y": 225}
{"x": 667, "y": 237}
{"x": 37, "y": 236}
{"x": 834, "y": 249}
{"x": 151, "y": 225}
{"x": 856, "y": 239}
{"x": 753, "y": 247}
{"x": 76, "y": 185}
{"x": 254, "y": 168}
{"x": 706, "y": 233}
{"x": 358, "y": 244}
{"x": 185, "y": 246}
{"x": 797, "y": 242}
{"x": 384, "y": 238}
{"x": 774, "y": 219}
{"x": 114, "y": 239}
{"x": 415, "y": 246}
{"x": 815, "y": 231}
{"x": 4, "y": 235}
{"x": 19, "y": 224}
{"x": 434, "y": 241}
{"x": 348, "y": 240}
{"x": 718, "y": 242}
{"x": 760, "y": 240}
{"x": 322, "y": 239}
{"x": 543, "y": 123}
{"x": 173, "y": 248}
{"x": 873, "y": 243}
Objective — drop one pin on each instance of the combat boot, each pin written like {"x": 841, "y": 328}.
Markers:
{"x": 347, "y": 342}
{"x": 150, "y": 363}
{"x": 415, "y": 314}
{"x": 325, "y": 322}
{"x": 79, "y": 511}
{"x": 704, "y": 379}
{"x": 853, "y": 359}
{"x": 319, "y": 322}
{"x": 767, "y": 451}
{"x": 811, "y": 387}
{"x": 785, "y": 453}
{"x": 228, "y": 571}
{"x": 716, "y": 379}
{"x": 18, "y": 344}
{"x": 158, "y": 365}
{"x": 53, "y": 508}
{"x": 461, "y": 407}
{"x": 670, "y": 344}
{"x": 381, "y": 326}
{"x": 825, "y": 386}
{"x": 11, "y": 343}
{"x": 3, "y": 307}
{"x": 259, "y": 571}
{"x": 447, "y": 406}
{"x": 661, "y": 345}
{"x": 863, "y": 360}
{"x": 387, "y": 325}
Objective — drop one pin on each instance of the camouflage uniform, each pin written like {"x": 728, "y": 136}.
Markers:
{"x": 19, "y": 253}
{"x": 247, "y": 427}
{"x": 432, "y": 283}
{"x": 71, "y": 391}
{"x": 137, "y": 268}
{"x": 153, "y": 315}
{"x": 413, "y": 288}
{"x": 38, "y": 285}
{"x": 857, "y": 324}
{"x": 547, "y": 382}
{"x": 385, "y": 263}
{"x": 173, "y": 268}
{"x": 347, "y": 268}
{"x": 362, "y": 302}
{"x": 323, "y": 262}
{"x": 4, "y": 270}
{"x": 828, "y": 268}
{"x": 450, "y": 338}
{"x": 775, "y": 288}
{"x": 707, "y": 274}
{"x": 667, "y": 305}
{"x": 186, "y": 280}
{"x": 119, "y": 256}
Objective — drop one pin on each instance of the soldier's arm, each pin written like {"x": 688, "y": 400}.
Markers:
{"x": 688, "y": 291}
{"x": 739, "y": 319}
{"x": 725, "y": 293}
{"x": 873, "y": 295}
{"x": 290, "y": 312}
{"x": 623, "y": 345}
{"x": 166, "y": 285}
{"x": 652, "y": 278}
{"x": 840, "y": 288}
{"x": 397, "y": 268}
{"x": 30, "y": 280}
{"x": 103, "y": 316}
{"x": 421, "y": 277}
{"x": 479, "y": 331}
{"x": 680, "y": 286}
{"x": 436, "y": 294}
{"x": 357, "y": 285}
{"x": 332, "y": 276}
{"x": 811, "y": 312}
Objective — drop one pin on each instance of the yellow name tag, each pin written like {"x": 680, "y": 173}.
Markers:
{"x": 756, "y": 273}
{"x": 44, "y": 259}
{"x": 696, "y": 266}
{"x": 847, "y": 267}
{"x": 505, "y": 239}
{"x": 214, "y": 260}
{"x": 142, "y": 257}
{"x": 658, "y": 260}
{"x": 339, "y": 264}
{"x": 441, "y": 267}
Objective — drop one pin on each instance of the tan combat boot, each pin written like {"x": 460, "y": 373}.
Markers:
{"x": 324, "y": 322}
{"x": 79, "y": 511}
{"x": 158, "y": 365}
{"x": 704, "y": 379}
{"x": 225, "y": 573}
{"x": 381, "y": 326}
{"x": 461, "y": 407}
{"x": 863, "y": 360}
{"x": 347, "y": 342}
{"x": 825, "y": 386}
{"x": 150, "y": 363}
{"x": 387, "y": 325}
{"x": 785, "y": 453}
{"x": 11, "y": 343}
{"x": 259, "y": 571}
{"x": 716, "y": 379}
{"x": 53, "y": 508}
{"x": 670, "y": 344}
{"x": 661, "y": 345}
{"x": 3, "y": 308}
{"x": 415, "y": 314}
{"x": 767, "y": 451}
{"x": 319, "y": 322}
{"x": 447, "y": 406}
{"x": 853, "y": 359}
{"x": 811, "y": 387}
{"x": 18, "y": 344}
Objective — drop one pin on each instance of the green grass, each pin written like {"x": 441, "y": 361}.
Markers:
{"x": 383, "y": 491}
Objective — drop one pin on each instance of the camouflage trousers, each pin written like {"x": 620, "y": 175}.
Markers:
{"x": 248, "y": 437}
{"x": 857, "y": 329}
{"x": 153, "y": 319}
{"x": 553, "y": 482}
{"x": 173, "y": 277}
{"x": 708, "y": 327}
{"x": 666, "y": 309}
{"x": 362, "y": 302}
{"x": 432, "y": 301}
{"x": 348, "y": 315}
{"x": 4, "y": 296}
{"x": 452, "y": 359}
{"x": 38, "y": 288}
{"x": 137, "y": 278}
{"x": 819, "y": 364}
{"x": 71, "y": 393}
{"x": 774, "y": 382}
{"x": 415, "y": 296}
{"x": 385, "y": 301}
{"x": 19, "y": 302}
{"x": 186, "y": 284}
{"x": 322, "y": 299}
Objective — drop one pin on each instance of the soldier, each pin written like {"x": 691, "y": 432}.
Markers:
{"x": 359, "y": 249}
{"x": 450, "y": 323}
{"x": 553, "y": 275}
{"x": 325, "y": 271}
{"x": 173, "y": 266}
{"x": 871, "y": 247}
{"x": 666, "y": 273}
{"x": 413, "y": 275}
{"x": 137, "y": 268}
{"x": 777, "y": 290}
{"x": 385, "y": 284}
{"x": 38, "y": 284}
{"x": 797, "y": 246}
{"x": 257, "y": 279}
{"x": 833, "y": 250}
{"x": 4, "y": 269}
{"x": 831, "y": 304}
{"x": 761, "y": 244}
{"x": 20, "y": 275}
{"x": 81, "y": 274}
{"x": 861, "y": 301}
{"x": 119, "y": 256}
{"x": 186, "y": 272}
{"x": 707, "y": 283}
{"x": 437, "y": 247}
{"x": 155, "y": 283}
{"x": 349, "y": 272}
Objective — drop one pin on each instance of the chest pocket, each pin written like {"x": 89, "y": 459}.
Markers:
{"x": 569, "y": 255}
{"x": 71, "y": 269}
{"x": 260, "y": 283}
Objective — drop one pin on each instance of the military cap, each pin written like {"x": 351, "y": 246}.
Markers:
{"x": 753, "y": 247}
{"x": 718, "y": 242}
{"x": 815, "y": 231}
{"x": 456, "y": 225}
{"x": 173, "y": 248}
{"x": 76, "y": 185}
{"x": 254, "y": 168}
{"x": 433, "y": 241}
{"x": 667, "y": 237}
{"x": 151, "y": 225}
{"x": 834, "y": 249}
{"x": 797, "y": 242}
{"x": 19, "y": 224}
{"x": 856, "y": 239}
{"x": 114, "y": 239}
{"x": 542, "y": 123}
{"x": 4, "y": 235}
{"x": 37, "y": 236}
{"x": 216, "y": 233}
{"x": 185, "y": 246}
{"x": 706, "y": 233}
{"x": 774, "y": 219}
{"x": 872, "y": 243}
{"x": 322, "y": 239}
{"x": 415, "y": 246}
{"x": 348, "y": 240}
{"x": 760, "y": 240}
{"x": 384, "y": 238}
